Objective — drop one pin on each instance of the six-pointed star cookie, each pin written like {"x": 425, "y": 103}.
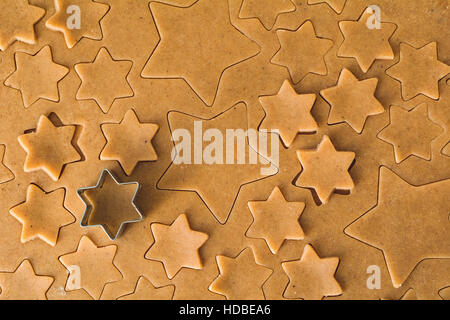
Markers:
{"x": 146, "y": 291}
{"x": 302, "y": 52}
{"x": 77, "y": 19}
{"x": 49, "y": 148}
{"x": 240, "y": 278}
{"x": 176, "y": 246}
{"x": 325, "y": 170}
{"x": 36, "y": 76}
{"x": 336, "y": 5}
{"x": 24, "y": 284}
{"x": 288, "y": 113}
{"x": 198, "y": 55}
{"x": 352, "y": 101}
{"x": 417, "y": 217}
{"x": 410, "y": 132}
{"x": 17, "y": 20}
{"x": 95, "y": 266}
{"x": 366, "y": 44}
{"x": 266, "y": 11}
{"x": 311, "y": 277}
{"x": 419, "y": 71}
{"x": 129, "y": 141}
{"x": 276, "y": 220}
{"x": 5, "y": 174}
{"x": 42, "y": 215}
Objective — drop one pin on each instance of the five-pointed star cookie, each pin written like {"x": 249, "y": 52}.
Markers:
{"x": 197, "y": 54}
{"x": 352, "y": 101}
{"x": 325, "y": 170}
{"x": 146, "y": 291}
{"x": 36, "y": 76}
{"x": 42, "y": 215}
{"x": 77, "y": 19}
{"x": 94, "y": 267}
{"x": 419, "y": 71}
{"x": 5, "y": 174}
{"x": 240, "y": 278}
{"x": 49, "y": 148}
{"x": 289, "y": 113}
{"x": 24, "y": 284}
{"x": 336, "y": 5}
{"x": 276, "y": 220}
{"x": 410, "y": 132}
{"x": 311, "y": 277}
{"x": 176, "y": 246}
{"x": 17, "y": 20}
{"x": 129, "y": 141}
{"x": 366, "y": 44}
{"x": 302, "y": 52}
{"x": 417, "y": 217}
{"x": 266, "y": 11}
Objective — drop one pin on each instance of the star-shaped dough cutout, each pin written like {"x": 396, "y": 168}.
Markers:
{"x": 325, "y": 170}
{"x": 410, "y": 238}
{"x": 302, "y": 52}
{"x": 24, "y": 284}
{"x": 5, "y": 174}
{"x": 94, "y": 264}
{"x": 266, "y": 11}
{"x": 419, "y": 71}
{"x": 36, "y": 76}
{"x": 65, "y": 20}
{"x": 240, "y": 278}
{"x": 410, "y": 132}
{"x": 352, "y": 101}
{"x": 364, "y": 44}
{"x": 200, "y": 42}
{"x": 129, "y": 141}
{"x": 42, "y": 215}
{"x": 176, "y": 246}
{"x": 146, "y": 291}
{"x": 289, "y": 113}
{"x": 17, "y": 18}
{"x": 311, "y": 277}
{"x": 49, "y": 148}
{"x": 276, "y": 220}
{"x": 336, "y": 5}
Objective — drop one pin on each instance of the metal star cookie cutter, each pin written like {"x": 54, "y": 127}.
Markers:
{"x": 88, "y": 205}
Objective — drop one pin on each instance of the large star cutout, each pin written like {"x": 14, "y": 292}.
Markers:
{"x": 17, "y": 20}
{"x": 176, "y": 246}
{"x": 197, "y": 44}
{"x": 289, "y": 113}
{"x": 410, "y": 132}
{"x": 325, "y": 170}
{"x": 42, "y": 215}
{"x": 302, "y": 52}
{"x": 352, "y": 101}
{"x": 336, "y": 5}
{"x": 129, "y": 142}
{"x": 311, "y": 277}
{"x": 49, "y": 148}
{"x": 419, "y": 71}
{"x": 417, "y": 219}
{"x": 146, "y": 291}
{"x": 5, "y": 174}
{"x": 276, "y": 220}
{"x": 266, "y": 11}
{"x": 36, "y": 76}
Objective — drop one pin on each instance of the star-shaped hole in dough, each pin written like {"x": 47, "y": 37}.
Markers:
{"x": 276, "y": 220}
{"x": 104, "y": 80}
{"x": 146, "y": 291}
{"x": 352, "y": 101}
{"x": 410, "y": 132}
{"x": 266, "y": 11}
{"x": 302, "y": 52}
{"x": 93, "y": 267}
{"x": 77, "y": 19}
{"x": 36, "y": 76}
{"x": 288, "y": 113}
{"x": 336, "y": 5}
{"x": 17, "y": 20}
{"x": 418, "y": 220}
{"x": 311, "y": 277}
{"x": 129, "y": 141}
{"x": 49, "y": 148}
{"x": 42, "y": 214}
{"x": 325, "y": 170}
{"x": 176, "y": 246}
{"x": 240, "y": 278}
{"x": 6, "y": 175}
{"x": 419, "y": 71}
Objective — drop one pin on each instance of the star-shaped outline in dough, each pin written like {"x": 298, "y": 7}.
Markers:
{"x": 336, "y": 5}
{"x": 144, "y": 287}
{"x": 248, "y": 11}
{"x": 4, "y": 170}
